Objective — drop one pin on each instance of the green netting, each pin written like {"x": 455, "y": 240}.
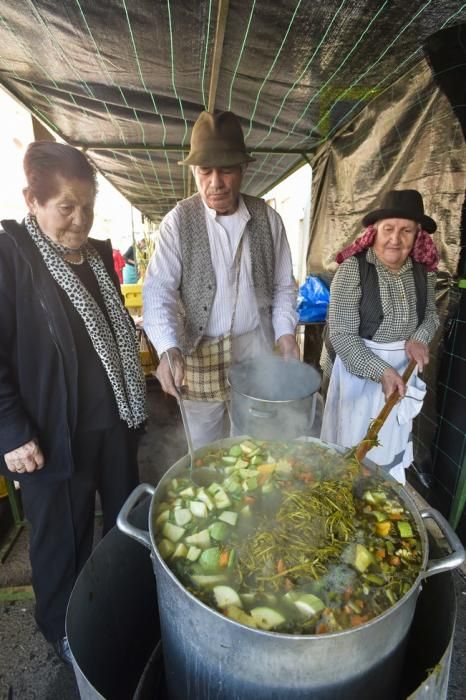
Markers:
{"x": 127, "y": 79}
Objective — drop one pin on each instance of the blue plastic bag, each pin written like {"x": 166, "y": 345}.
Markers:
{"x": 313, "y": 298}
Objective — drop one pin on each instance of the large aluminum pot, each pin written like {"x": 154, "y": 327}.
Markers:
{"x": 211, "y": 656}
{"x": 273, "y": 397}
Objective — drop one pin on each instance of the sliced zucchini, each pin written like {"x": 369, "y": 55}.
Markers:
{"x": 267, "y": 618}
{"x": 213, "y": 488}
{"x": 209, "y": 559}
{"x": 248, "y": 446}
{"x": 166, "y": 548}
{"x": 221, "y": 499}
{"x": 199, "y": 509}
{"x": 359, "y": 557}
{"x": 162, "y": 518}
{"x": 219, "y": 531}
{"x": 405, "y": 530}
{"x": 235, "y": 451}
{"x": 193, "y": 553}
{"x": 173, "y": 532}
{"x": 208, "y": 580}
{"x": 250, "y": 484}
{"x": 199, "y": 539}
{"x": 247, "y": 473}
{"x": 180, "y": 551}
{"x": 225, "y": 596}
{"x": 203, "y": 496}
{"x": 182, "y": 516}
{"x": 232, "y": 559}
{"x": 232, "y": 484}
{"x": 309, "y": 604}
{"x": 188, "y": 492}
{"x": 229, "y": 517}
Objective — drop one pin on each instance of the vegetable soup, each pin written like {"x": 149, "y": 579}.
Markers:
{"x": 289, "y": 537}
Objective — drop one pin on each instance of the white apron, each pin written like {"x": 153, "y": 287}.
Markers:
{"x": 353, "y": 402}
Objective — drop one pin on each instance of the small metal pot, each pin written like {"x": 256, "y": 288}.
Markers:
{"x": 211, "y": 656}
{"x": 272, "y": 398}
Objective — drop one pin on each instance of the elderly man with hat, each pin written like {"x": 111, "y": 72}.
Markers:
{"x": 381, "y": 315}
{"x": 219, "y": 287}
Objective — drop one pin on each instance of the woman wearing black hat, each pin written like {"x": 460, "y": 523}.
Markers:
{"x": 381, "y": 315}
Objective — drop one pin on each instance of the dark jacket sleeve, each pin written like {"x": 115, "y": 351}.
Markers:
{"x": 16, "y": 428}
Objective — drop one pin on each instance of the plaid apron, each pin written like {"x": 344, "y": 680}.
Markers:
{"x": 206, "y": 369}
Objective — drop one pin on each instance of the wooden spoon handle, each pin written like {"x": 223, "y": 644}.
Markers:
{"x": 368, "y": 441}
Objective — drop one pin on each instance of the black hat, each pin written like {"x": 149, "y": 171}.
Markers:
{"x": 402, "y": 204}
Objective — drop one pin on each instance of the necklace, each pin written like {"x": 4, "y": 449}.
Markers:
{"x": 74, "y": 262}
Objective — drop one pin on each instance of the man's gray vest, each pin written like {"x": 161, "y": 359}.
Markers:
{"x": 198, "y": 283}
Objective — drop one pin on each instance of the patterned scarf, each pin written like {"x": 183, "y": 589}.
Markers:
{"x": 424, "y": 250}
{"x": 118, "y": 351}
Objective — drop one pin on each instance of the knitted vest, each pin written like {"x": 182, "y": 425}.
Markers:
{"x": 370, "y": 304}
{"x": 198, "y": 283}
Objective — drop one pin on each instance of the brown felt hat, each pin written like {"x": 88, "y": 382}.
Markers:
{"x": 402, "y": 204}
{"x": 217, "y": 141}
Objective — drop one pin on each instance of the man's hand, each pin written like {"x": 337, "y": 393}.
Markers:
{"x": 26, "y": 458}
{"x": 391, "y": 381}
{"x": 289, "y": 348}
{"x": 164, "y": 374}
{"x": 419, "y": 352}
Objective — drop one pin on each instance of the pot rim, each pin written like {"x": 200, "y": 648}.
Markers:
{"x": 272, "y": 401}
{"x": 278, "y": 362}
{"x": 181, "y": 466}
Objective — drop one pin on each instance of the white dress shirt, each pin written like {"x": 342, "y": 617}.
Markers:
{"x": 163, "y": 277}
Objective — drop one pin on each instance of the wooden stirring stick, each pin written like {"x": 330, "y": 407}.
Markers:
{"x": 368, "y": 442}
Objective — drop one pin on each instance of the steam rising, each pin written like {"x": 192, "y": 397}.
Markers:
{"x": 271, "y": 398}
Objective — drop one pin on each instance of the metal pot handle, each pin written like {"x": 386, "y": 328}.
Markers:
{"x": 451, "y": 561}
{"x": 136, "y": 533}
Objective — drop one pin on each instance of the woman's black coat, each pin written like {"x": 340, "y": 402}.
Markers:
{"x": 38, "y": 365}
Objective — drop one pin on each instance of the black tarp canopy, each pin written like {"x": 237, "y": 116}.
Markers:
{"x": 126, "y": 79}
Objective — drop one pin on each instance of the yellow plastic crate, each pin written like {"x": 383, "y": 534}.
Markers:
{"x": 147, "y": 362}
{"x": 3, "y": 488}
{"x": 133, "y": 295}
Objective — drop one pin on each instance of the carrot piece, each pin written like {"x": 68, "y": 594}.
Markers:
{"x": 198, "y": 463}
{"x": 394, "y": 561}
{"x": 224, "y": 558}
{"x": 365, "y": 471}
{"x": 281, "y": 566}
{"x": 380, "y": 553}
{"x": 262, "y": 479}
{"x": 357, "y": 620}
{"x": 321, "y": 628}
{"x": 249, "y": 500}
{"x": 395, "y": 516}
{"x": 288, "y": 584}
{"x": 266, "y": 468}
{"x": 347, "y": 593}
